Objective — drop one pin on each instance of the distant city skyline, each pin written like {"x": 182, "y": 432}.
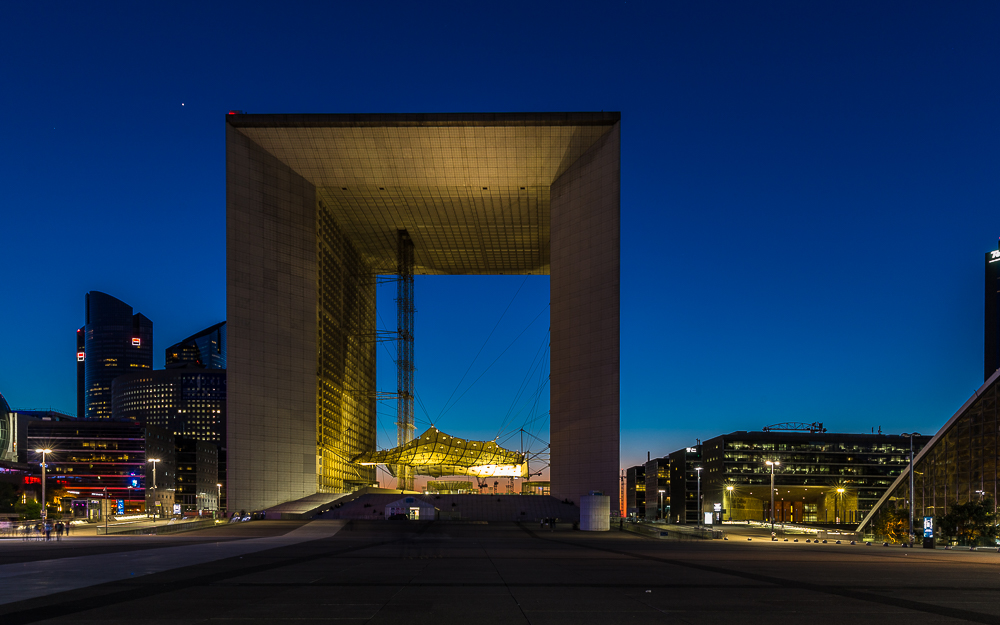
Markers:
{"x": 807, "y": 193}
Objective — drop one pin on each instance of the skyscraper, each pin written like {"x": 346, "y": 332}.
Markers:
{"x": 115, "y": 342}
{"x": 991, "y": 336}
{"x": 206, "y": 349}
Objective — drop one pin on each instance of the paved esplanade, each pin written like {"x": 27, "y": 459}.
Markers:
{"x": 391, "y": 572}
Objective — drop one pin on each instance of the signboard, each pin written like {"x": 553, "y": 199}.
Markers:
{"x": 121, "y": 507}
{"x": 708, "y": 517}
{"x": 717, "y": 507}
{"x": 928, "y": 527}
{"x": 177, "y": 508}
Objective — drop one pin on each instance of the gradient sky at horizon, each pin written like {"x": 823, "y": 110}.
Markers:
{"x": 808, "y": 190}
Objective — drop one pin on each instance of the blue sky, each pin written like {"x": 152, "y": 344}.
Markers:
{"x": 808, "y": 190}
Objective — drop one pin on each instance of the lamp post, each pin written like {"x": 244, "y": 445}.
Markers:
{"x": 912, "y": 497}
{"x": 107, "y": 510}
{"x": 659, "y": 511}
{"x": 729, "y": 489}
{"x": 772, "y": 464}
{"x": 698, "y": 471}
{"x": 44, "y": 452}
{"x": 218, "y": 499}
{"x": 836, "y": 506}
{"x": 154, "y": 461}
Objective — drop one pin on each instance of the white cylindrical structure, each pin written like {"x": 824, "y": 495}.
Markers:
{"x": 595, "y": 513}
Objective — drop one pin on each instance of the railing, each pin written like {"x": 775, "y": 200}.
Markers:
{"x": 158, "y": 529}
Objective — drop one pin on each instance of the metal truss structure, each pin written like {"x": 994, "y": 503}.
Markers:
{"x": 404, "y": 354}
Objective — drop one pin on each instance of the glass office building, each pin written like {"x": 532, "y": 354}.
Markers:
{"x": 198, "y": 486}
{"x": 206, "y": 349}
{"x": 185, "y": 402}
{"x": 958, "y": 465}
{"x": 115, "y": 342}
{"x": 88, "y": 457}
{"x": 821, "y": 477}
{"x": 8, "y": 432}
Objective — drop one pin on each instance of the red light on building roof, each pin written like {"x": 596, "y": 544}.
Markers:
{"x": 235, "y": 112}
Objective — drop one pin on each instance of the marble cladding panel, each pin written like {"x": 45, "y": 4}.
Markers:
{"x": 585, "y": 248}
{"x": 271, "y": 302}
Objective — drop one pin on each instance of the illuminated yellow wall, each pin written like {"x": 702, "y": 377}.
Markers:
{"x": 345, "y": 375}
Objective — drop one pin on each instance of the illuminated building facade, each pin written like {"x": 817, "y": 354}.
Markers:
{"x": 959, "y": 464}
{"x": 187, "y": 402}
{"x": 206, "y": 349}
{"x": 197, "y": 475}
{"x": 683, "y": 487}
{"x": 115, "y": 342}
{"x": 89, "y": 456}
{"x": 8, "y": 432}
{"x": 991, "y": 334}
{"x": 314, "y": 207}
{"x": 822, "y": 477}
{"x": 657, "y": 472}
{"x": 635, "y": 492}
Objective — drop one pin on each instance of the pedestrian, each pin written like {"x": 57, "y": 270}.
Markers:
{"x": 68, "y": 524}
{"x": 48, "y": 531}
{"x": 27, "y": 531}
{"x": 59, "y": 530}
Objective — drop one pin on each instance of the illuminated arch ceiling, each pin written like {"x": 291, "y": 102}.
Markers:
{"x": 436, "y": 454}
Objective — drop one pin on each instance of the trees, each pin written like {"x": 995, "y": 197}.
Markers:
{"x": 28, "y": 511}
{"x": 8, "y": 497}
{"x": 970, "y": 522}
{"x": 893, "y": 525}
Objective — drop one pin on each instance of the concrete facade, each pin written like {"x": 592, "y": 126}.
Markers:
{"x": 313, "y": 206}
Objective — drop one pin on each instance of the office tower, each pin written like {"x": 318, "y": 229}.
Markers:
{"x": 115, "y": 342}
{"x": 81, "y": 372}
{"x": 206, "y": 349}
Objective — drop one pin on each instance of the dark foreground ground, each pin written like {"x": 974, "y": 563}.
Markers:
{"x": 399, "y": 572}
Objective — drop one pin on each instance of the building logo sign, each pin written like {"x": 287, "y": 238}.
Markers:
{"x": 80, "y": 356}
{"x": 994, "y": 256}
{"x": 136, "y": 342}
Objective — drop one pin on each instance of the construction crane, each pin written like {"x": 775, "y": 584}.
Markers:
{"x": 796, "y": 426}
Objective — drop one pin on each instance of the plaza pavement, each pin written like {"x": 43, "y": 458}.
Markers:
{"x": 440, "y": 572}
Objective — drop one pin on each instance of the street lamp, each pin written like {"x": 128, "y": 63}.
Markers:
{"x": 836, "y": 506}
{"x": 772, "y": 464}
{"x": 659, "y": 513}
{"x": 154, "y": 461}
{"x": 218, "y": 499}
{"x": 912, "y": 497}
{"x": 43, "y": 452}
{"x": 698, "y": 471}
{"x": 730, "y": 490}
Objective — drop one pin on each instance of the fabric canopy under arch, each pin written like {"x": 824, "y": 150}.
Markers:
{"x": 437, "y": 454}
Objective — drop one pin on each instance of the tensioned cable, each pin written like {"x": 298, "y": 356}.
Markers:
{"x": 483, "y": 347}
{"x": 535, "y": 363}
{"x": 531, "y": 323}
